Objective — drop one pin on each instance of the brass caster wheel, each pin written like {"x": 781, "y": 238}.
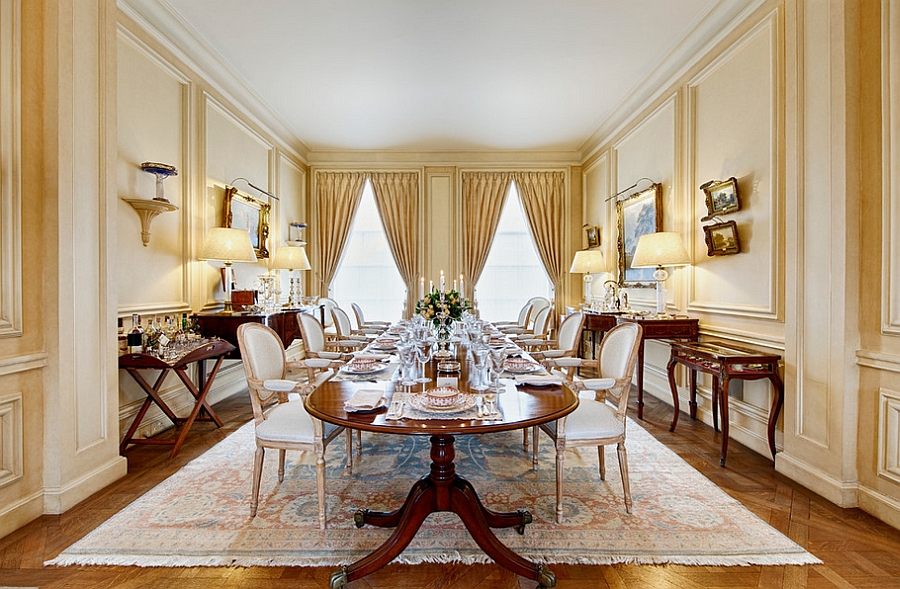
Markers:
{"x": 546, "y": 578}
{"x": 339, "y": 578}
{"x": 359, "y": 518}
{"x": 526, "y": 519}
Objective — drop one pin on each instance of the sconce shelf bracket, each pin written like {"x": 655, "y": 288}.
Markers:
{"x": 147, "y": 210}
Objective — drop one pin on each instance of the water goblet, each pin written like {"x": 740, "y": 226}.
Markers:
{"x": 477, "y": 380}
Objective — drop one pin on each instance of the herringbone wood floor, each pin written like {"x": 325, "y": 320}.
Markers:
{"x": 857, "y": 550}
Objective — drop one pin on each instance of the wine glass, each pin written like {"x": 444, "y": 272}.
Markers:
{"x": 498, "y": 357}
{"x": 422, "y": 355}
{"x": 477, "y": 380}
{"x": 407, "y": 353}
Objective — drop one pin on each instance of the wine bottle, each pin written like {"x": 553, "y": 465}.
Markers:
{"x": 135, "y": 337}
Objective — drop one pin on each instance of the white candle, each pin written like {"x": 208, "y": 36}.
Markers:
{"x": 442, "y": 281}
{"x": 454, "y": 285}
{"x": 430, "y": 286}
{"x": 462, "y": 286}
{"x": 422, "y": 288}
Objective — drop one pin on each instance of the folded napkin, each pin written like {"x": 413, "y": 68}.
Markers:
{"x": 365, "y": 400}
{"x": 539, "y": 381}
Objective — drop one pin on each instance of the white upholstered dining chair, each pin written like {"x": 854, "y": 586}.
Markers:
{"x": 597, "y": 422}
{"x": 318, "y": 345}
{"x": 344, "y": 329}
{"x": 281, "y": 423}
{"x": 361, "y": 322}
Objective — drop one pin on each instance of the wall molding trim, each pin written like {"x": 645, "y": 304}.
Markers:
{"x": 157, "y": 19}
{"x": 20, "y": 512}
{"x": 24, "y": 363}
{"x": 890, "y": 224}
{"x": 878, "y": 360}
{"x": 743, "y": 337}
{"x": 59, "y": 499}
{"x": 10, "y": 170}
{"x": 884, "y": 507}
{"x": 842, "y": 494}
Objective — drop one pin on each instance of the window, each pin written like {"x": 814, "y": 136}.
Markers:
{"x": 513, "y": 272}
{"x": 367, "y": 274}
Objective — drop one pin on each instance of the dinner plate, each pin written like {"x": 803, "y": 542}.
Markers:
{"x": 523, "y": 369}
{"x": 376, "y": 368}
{"x": 418, "y": 401}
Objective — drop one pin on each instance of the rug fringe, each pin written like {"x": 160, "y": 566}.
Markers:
{"x": 797, "y": 559}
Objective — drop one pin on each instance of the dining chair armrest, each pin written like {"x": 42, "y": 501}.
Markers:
{"x": 330, "y": 355}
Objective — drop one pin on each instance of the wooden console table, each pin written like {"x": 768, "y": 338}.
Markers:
{"x": 224, "y": 326}
{"x": 680, "y": 328}
{"x": 595, "y": 327}
{"x": 725, "y": 363}
{"x": 135, "y": 363}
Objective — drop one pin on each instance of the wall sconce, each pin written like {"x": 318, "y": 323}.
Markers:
{"x": 655, "y": 250}
{"x": 148, "y": 209}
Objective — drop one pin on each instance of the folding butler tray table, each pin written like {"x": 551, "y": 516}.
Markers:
{"x": 135, "y": 363}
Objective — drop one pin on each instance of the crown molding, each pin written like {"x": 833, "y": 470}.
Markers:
{"x": 711, "y": 28}
{"x": 159, "y": 20}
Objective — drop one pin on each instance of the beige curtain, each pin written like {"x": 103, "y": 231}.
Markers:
{"x": 397, "y": 199}
{"x": 337, "y": 198}
{"x": 483, "y": 195}
{"x": 543, "y": 194}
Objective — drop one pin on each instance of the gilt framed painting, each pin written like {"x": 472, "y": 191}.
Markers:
{"x": 637, "y": 215}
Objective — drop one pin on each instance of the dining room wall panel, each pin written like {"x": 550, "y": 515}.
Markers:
{"x": 233, "y": 149}
{"x": 154, "y": 122}
{"x": 648, "y": 151}
{"x": 595, "y": 212}
{"x": 721, "y": 146}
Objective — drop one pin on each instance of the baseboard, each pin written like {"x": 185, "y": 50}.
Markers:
{"x": 60, "y": 499}
{"x": 842, "y": 494}
{"x": 21, "y": 512}
{"x": 882, "y": 506}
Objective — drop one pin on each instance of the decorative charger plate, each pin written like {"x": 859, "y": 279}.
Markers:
{"x": 420, "y": 402}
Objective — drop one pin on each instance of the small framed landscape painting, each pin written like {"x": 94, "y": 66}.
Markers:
{"x": 247, "y": 213}
{"x": 721, "y": 197}
{"x": 722, "y": 239}
{"x": 593, "y": 236}
{"x": 637, "y": 215}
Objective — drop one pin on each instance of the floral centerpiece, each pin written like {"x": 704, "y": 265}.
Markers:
{"x": 435, "y": 303}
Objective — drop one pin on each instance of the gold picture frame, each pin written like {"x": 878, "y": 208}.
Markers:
{"x": 722, "y": 239}
{"x": 245, "y": 212}
{"x": 721, "y": 197}
{"x": 637, "y": 215}
{"x": 593, "y": 236}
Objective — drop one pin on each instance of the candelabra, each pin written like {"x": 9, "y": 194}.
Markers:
{"x": 443, "y": 333}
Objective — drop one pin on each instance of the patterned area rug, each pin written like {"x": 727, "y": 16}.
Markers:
{"x": 200, "y": 515}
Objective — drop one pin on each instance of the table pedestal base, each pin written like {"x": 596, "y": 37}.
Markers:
{"x": 443, "y": 490}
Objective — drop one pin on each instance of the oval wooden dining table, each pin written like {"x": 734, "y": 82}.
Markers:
{"x": 442, "y": 489}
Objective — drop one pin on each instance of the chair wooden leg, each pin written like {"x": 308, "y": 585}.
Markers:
{"x": 601, "y": 454}
{"x": 320, "y": 486}
{"x": 348, "y": 435}
{"x": 560, "y": 453}
{"x": 534, "y": 446}
{"x": 281, "y": 456}
{"x": 623, "y": 467}
{"x": 359, "y": 442}
{"x": 257, "y": 475}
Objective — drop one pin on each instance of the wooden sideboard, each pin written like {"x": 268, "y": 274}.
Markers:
{"x": 225, "y": 325}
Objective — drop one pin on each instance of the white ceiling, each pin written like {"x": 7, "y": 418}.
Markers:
{"x": 442, "y": 74}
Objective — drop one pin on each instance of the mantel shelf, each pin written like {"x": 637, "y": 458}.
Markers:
{"x": 147, "y": 210}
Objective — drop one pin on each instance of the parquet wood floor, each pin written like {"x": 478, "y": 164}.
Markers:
{"x": 858, "y": 551}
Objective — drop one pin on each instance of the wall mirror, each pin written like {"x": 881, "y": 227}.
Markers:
{"x": 242, "y": 211}
{"x": 637, "y": 215}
